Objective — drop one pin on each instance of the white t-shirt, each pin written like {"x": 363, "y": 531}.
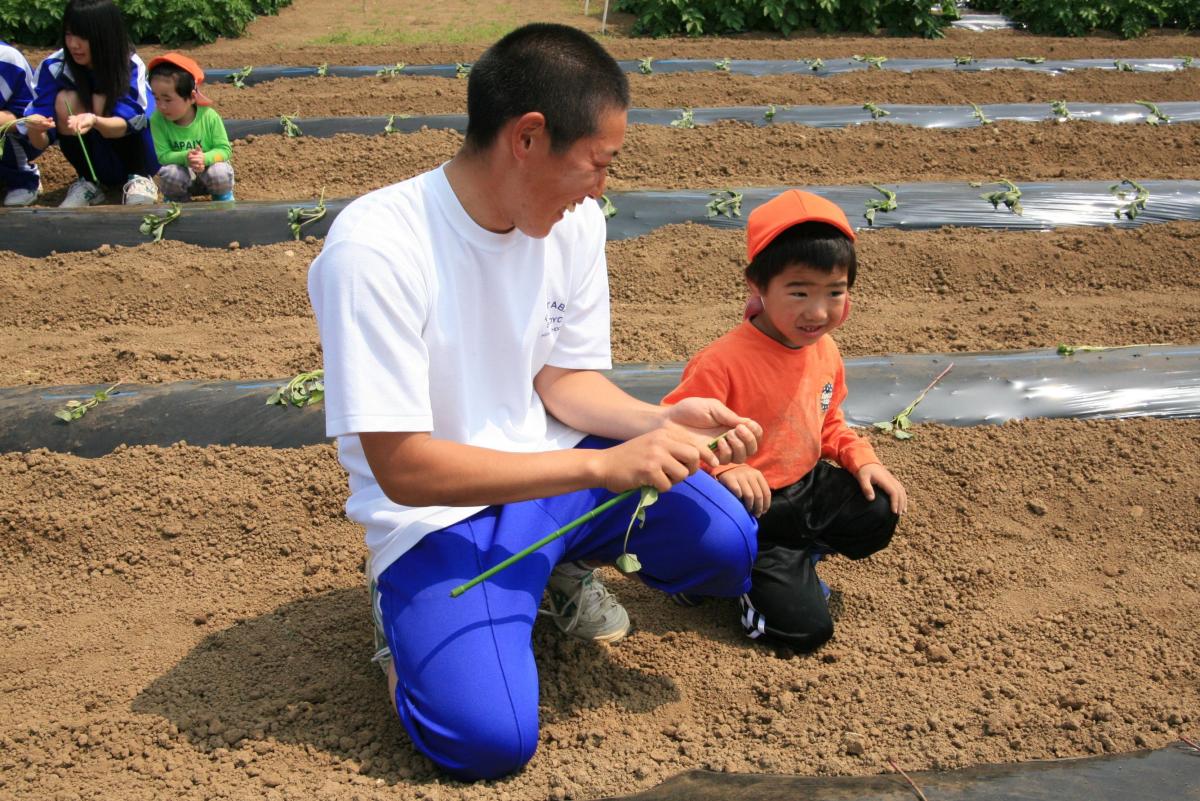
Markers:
{"x": 431, "y": 323}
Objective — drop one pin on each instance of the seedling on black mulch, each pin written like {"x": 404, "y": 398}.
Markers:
{"x": 300, "y": 216}
{"x": 153, "y": 224}
{"x": 687, "y": 119}
{"x": 1010, "y": 196}
{"x": 1031, "y": 59}
{"x": 723, "y": 65}
{"x": 1060, "y": 111}
{"x": 303, "y": 390}
{"x": 1155, "y": 116}
{"x": 725, "y": 203}
{"x": 74, "y": 409}
{"x": 769, "y": 114}
{"x": 978, "y": 114}
{"x": 885, "y": 204}
{"x": 899, "y": 426}
{"x": 238, "y": 77}
{"x": 391, "y": 71}
{"x": 290, "y": 128}
{"x": 644, "y": 65}
{"x": 814, "y": 64}
{"x": 872, "y": 62}
{"x": 1135, "y": 206}
{"x": 607, "y": 207}
{"x": 1123, "y": 66}
{"x": 323, "y": 70}
{"x": 462, "y": 70}
{"x": 962, "y": 61}
{"x": 390, "y": 128}
{"x": 876, "y": 111}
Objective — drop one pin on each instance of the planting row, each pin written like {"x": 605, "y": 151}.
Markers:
{"x": 172, "y": 311}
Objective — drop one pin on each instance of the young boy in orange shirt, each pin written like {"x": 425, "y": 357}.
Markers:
{"x": 782, "y": 368}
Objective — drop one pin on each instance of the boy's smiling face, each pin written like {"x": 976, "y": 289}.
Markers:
{"x": 802, "y": 304}
{"x": 178, "y": 110}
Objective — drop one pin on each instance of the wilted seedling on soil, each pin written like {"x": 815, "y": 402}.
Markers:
{"x": 644, "y": 65}
{"x": 1031, "y": 59}
{"x": 462, "y": 70}
{"x": 814, "y": 64}
{"x": 1071, "y": 350}
{"x": 899, "y": 425}
{"x": 1123, "y": 66}
{"x": 1135, "y": 206}
{"x": 962, "y": 61}
{"x": 1010, "y": 196}
{"x": 725, "y": 203}
{"x": 876, "y": 111}
{"x": 723, "y": 64}
{"x": 238, "y": 77}
{"x": 153, "y": 224}
{"x": 1060, "y": 111}
{"x": 74, "y": 409}
{"x": 978, "y": 114}
{"x": 391, "y": 72}
{"x": 687, "y": 119}
{"x": 323, "y": 70}
{"x": 1155, "y": 116}
{"x": 871, "y": 61}
{"x": 300, "y": 216}
{"x": 607, "y": 207}
{"x": 885, "y": 204}
{"x": 303, "y": 390}
{"x": 290, "y": 129}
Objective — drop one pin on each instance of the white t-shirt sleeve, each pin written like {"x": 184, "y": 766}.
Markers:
{"x": 371, "y": 308}
{"x": 584, "y": 342}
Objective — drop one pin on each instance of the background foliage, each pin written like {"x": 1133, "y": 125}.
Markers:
{"x": 38, "y": 22}
{"x": 706, "y": 17}
{"x": 1129, "y": 18}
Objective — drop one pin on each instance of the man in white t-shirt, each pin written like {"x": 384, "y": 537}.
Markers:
{"x": 464, "y": 315}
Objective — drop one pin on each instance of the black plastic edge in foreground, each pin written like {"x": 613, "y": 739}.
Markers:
{"x": 982, "y": 388}
{"x": 931, "y": 116}
{"x": 833, "y": 66}
{"x": 1167, "y": 774}
{"x": 38, "y": 231}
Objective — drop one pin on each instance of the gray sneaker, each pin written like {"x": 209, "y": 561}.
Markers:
{"x": 582, "y": 606}
{"x": 383, "y": 654}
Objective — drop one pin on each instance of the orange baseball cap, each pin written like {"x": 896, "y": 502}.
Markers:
{"x": 785, "y": 210}
{"x": 186, "y": 64}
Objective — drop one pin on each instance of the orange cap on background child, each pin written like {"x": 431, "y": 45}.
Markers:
{"x": 787, "y": 209}
{"x": 186, "y": 64}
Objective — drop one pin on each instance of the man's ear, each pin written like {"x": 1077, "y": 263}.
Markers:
{"x": 525, "y": 132}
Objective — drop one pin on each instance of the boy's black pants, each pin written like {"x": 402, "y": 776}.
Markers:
{"x": 824, "y": 512}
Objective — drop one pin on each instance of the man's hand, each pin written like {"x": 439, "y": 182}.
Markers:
{"x": 660, "y": 459}
{"x": 706, "y": 419}
{"x": 871, "y": 476}
{"x": 749, "y": 485}
{"x": 195, "y": 160}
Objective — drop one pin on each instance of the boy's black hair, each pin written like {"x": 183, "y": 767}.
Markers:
{"x": 554, "y": 69}
{"x": 812, "y": 244}
{"x": 101, "y": 24}
{"x": 185, "y": 84}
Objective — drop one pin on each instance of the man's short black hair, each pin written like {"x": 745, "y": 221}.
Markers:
{"x": 185, "y": 84}
{"x": 553, "y": 69}
{"x": 811, "y": 244}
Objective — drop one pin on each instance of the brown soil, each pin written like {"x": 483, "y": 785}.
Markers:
{"x": 731, "y": 154}
{"x": 380, "y": 96}
{"x": 173, "y": 311}
{"x": 191, "y": 623}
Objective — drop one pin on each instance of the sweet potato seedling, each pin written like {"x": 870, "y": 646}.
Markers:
{"x": 300, "y": 216}
{"x": 74, "y": 409}
{"x": 1031, "y": 59}
{"x": 644, "y": 65}
{"x": 885, "y": 204}
{"x": 1010, "y": 196}
{"x": 390, "y": 127}
{"x": 323, "y": 69}
{"x": 5, "y": 128}
{"x": 1071, "y": 350}
{"x": 876, "y": 111}
{"x": 628, "y": 562}
{"x": 1155, "y": 116}
{"x": 769, "y": 114}
{"x": 725, "y": 203}
{"x": 303, "y": 390}
{"x": 978, "y": 114}
{"x": 1185, "y": 61}
{"x": 607, "y": 207}
{"x": 962, "y": 61}
{"x": 153, "y": 224}
{"x": 238, "y": 77}
{"x": 872, "y": 62}
{"x": 1135, "y": 206}
{"x": 288, "y": 122}
{"x": 687, "y": 119}
{"x": 900, "y": 426}
{"x": 391, "y": 72}
{"x": 814, "y": 64}
{"x": 1060, "y": 111}
{"x": 723, "y": 65}
{"x": 462, "y": 70}
{"x": 1123, "y": 66}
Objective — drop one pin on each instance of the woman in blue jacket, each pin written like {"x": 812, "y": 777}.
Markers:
{"x": 18, "y": 174}
{"x": 93, "y": 92}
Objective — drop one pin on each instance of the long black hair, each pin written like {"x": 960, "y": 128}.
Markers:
{"x": 101, "y": 24}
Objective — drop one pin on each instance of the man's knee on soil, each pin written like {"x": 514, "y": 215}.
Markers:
{"x": 489, "y": 750}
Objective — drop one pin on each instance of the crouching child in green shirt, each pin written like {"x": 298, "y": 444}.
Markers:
{"x": 189, "y": 135}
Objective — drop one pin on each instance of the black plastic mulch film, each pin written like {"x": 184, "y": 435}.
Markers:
{"x": 37, "y": 232}
{"x": 832, "y": 66}
{"x": 982, "y": 388}
{"x": 919, "y": 116}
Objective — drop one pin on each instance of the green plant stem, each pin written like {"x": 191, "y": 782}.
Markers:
{"x": 83, "y": 147}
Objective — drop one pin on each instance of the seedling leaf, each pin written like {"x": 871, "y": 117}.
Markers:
{"x": 687, "y": 119}
{"x": 962, "y": 61}
{"x": 1031, "y": 59}
{"x": 644, "y": 65}
{"x": 769, "y": 114}
{"x": 1155, "y": 116}
{"x": 608, "y": 208}
{"x": 876, "y": 111}
{"x": 290, "y": 128}
{"x": 872, "y": 62}
{"x": 73, "y": 410}
{"x": 899, "y": 425}
{"x": 391, "y": 72}
{"x": 723, "y": 65}
{"x": 300, "y": 216}
{"x": 1135, "y": 206}
{"x": 1122, "y": 66}
{"x": 814, "y": 64}
{"x": 1010, "y": 197}
{"x": 885, "y": 204}
{"x": 303, "y": 390}
{"x": 1060, "y": 111}
{"x": 462, "y": 70}
{"x": 238, "y": 77}
{"x": 323, "y": 70}
{"x": 153, "y": 224}
{"x": 725, "y": 203}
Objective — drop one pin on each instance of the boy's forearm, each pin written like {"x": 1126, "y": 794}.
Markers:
{"x": 588, "y": 401}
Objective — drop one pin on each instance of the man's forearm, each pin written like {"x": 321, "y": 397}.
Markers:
{"x": 588, "y": 401}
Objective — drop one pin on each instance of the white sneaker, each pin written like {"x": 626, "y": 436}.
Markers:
{"x": 582, "y": 606}
{"x": 22, "y": 197}
{"x": 139, "y": 191}
{"x": 81, "y": 194}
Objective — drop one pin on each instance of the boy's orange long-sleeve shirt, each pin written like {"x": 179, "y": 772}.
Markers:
{"x": 796, "y": 395}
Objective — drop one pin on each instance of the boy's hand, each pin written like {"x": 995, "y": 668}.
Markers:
{"x": 705, "y": 419}
{"x": 195, "y": 158}
{"x": 750, "y": 485}
{"x": 876, "y": 475}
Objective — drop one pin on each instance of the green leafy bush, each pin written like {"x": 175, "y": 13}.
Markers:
{"x": 1129, "y": 18}
{"x": 38, "y": 22}
{"x": 709, "y": 17}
